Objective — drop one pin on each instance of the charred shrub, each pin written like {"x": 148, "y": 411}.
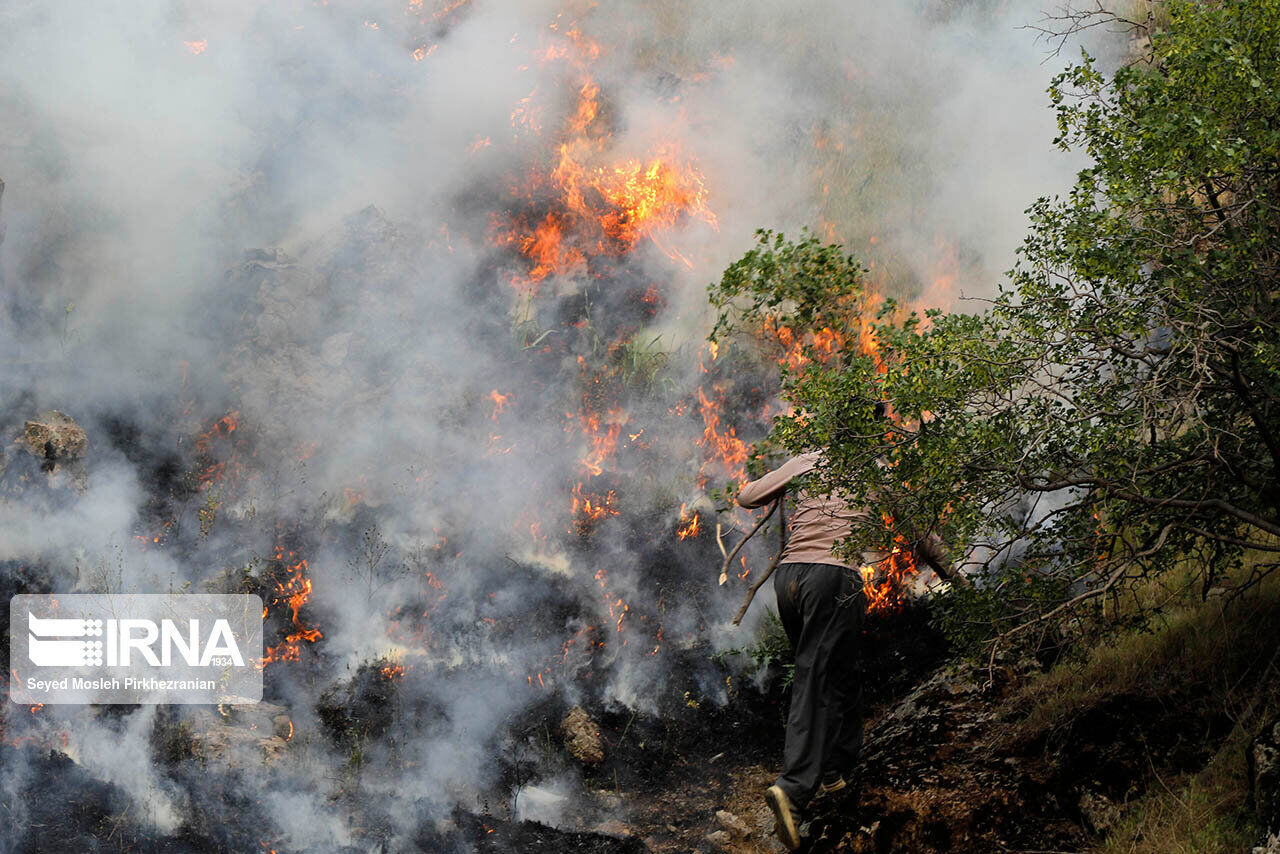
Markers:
{"x": 172, "y": 737}
{"x": 899, "y": 647}
{"x": 362, "y": 707}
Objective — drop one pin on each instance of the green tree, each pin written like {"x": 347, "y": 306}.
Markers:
{"x": 1116, "y": 407}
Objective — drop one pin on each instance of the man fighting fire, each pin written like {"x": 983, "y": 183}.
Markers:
{"x": 821, "y": 605}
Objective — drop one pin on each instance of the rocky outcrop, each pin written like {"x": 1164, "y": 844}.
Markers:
{"x": 735, "y": 826}
{"x": 57, "y": 446}
{"x": 240, "y": 735}
{"x": 225, "y": 737}
{"x": 55, "y": 437}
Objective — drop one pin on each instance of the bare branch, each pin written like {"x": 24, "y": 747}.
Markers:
{"x": 728, "y": 560}
{"x": 782, "y": 546}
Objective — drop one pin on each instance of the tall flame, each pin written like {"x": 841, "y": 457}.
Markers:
{"x": 591, "y": 205}
{"x": 899, "y": 567}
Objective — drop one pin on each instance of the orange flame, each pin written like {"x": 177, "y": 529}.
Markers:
{"x": 499, "y": 403}
{"x": 219, "y": 434}
{"x": 800, "y": 349}
{"x": 223, "y": 427}
{"x": 888, "y": 593}
{"x": 603, "y": 445}
{"x": 689, "y": 523}
{"x": 586, "y": 509}
{"x": 294, "y": 593}
{"x": 647, "y": 197}
{"x": 724, "y": 445}
{"x": 596, "y": 208}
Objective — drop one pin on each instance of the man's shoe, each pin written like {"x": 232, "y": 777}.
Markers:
{"x": 784, "y": 815}
{"x": 829, "y": 786}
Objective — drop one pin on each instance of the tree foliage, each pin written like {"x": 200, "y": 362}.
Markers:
{"x": 1115, "y": 409}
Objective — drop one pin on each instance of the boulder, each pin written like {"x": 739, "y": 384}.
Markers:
{"x": 55, "y": 438}
{"x": 58, "y": 444}
{"x": 282, "y": 726}
{"x": 732, "y": 823}
{"x": 233, "y": 735}
{"x": 612, "y": 827}
{"x": 719, "y": 838}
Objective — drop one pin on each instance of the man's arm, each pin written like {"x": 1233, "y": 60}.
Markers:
{"x": 931, "y": 549}
{"x": 758, "y": 493}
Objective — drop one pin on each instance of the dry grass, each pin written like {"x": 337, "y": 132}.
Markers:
{"x": 1219, "y": 655}
{"x": 1215, "y": 645}
{"x": 1199, "y": 814}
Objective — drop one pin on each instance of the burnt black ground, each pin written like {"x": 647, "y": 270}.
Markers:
{"x": 493, "y": 836}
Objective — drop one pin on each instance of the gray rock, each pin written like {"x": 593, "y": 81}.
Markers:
{"x": 613, "y": 827}
{"x": 608, "y": 800}
{"x": 232, "y": 735}
{"x": 762, "y": 822}
{"x": 732, "y": 823}
{"x": 282, "y": 725}
{"x": 55, "y": 437}
{"x": 1099, "y": 811}
{"x": 719, "y": 837}
{"x": 59, "y": 443}
{"x": 1264, "y": 769}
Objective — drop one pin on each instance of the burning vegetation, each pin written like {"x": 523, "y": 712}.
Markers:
{"x": 582, "y": 212}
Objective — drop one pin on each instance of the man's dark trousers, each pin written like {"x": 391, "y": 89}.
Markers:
{"x": 822, "y": 610}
